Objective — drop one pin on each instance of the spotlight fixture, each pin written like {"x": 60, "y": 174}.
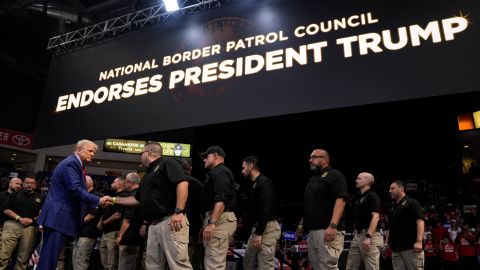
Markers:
{"x": 171, "y": 5}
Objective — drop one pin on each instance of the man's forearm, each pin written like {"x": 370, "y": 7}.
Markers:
{"x": 182, "y": 194}
{"x": 127, "y": 201}
{"x": 124, "y": 227}
{"x": 420, "y": 230}
{"x": 338, "y": 210}
{"x": 218, "y": 209}
{"x": 373, "y": 223}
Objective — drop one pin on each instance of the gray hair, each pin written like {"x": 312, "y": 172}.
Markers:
{"x": 134, "y": 177}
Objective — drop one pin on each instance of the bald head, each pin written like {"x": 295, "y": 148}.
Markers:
{"x": 319, "y": 159}
{"x": 132, "y": 181}
{"x": 364, "y": 181}
{"x": 89, "y": 182}
{"x": 15, "y": 184}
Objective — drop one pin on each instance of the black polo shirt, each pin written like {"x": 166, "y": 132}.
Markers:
{"x": 3, "y": 197}
{"x": 402, "y": 223}
{"x": 109, "y": 211}
{"x": 23, "y": 204}
{"x": 157, "y": 192}
{"x": 368, "y": 202}
{"x": 220, "y": 186}
{"x": 194, "y": 204}
{"x": 320, "y": 194}
{"x": 90, "y": 229}
{"x": 132, "y": 235}
{"x": 263, "y": 204}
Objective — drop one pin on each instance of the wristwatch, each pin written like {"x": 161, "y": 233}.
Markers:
{"x": 179, "y": 211}
{"x": 211, "y": 221}
{"x": 367, "y": 235}
{"x": 333, "y": 225}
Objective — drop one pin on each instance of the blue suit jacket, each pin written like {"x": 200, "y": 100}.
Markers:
{"x": 67, "y": 198}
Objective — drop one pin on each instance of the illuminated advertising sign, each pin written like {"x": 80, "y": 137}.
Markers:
{"x": 227, "y": 64}
{"x": 136, "y": 147}
{"x": 176, "y": 149}
{"x": 123, "y": 146}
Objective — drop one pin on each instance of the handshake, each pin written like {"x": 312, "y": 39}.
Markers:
{"x": 106, "y": 201}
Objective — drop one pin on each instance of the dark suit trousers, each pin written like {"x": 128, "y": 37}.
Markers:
{"x": 53, "y": 243}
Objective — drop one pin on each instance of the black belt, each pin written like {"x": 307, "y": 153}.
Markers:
{"x": 365, "y": 230}
{"x": 158, "y": 220}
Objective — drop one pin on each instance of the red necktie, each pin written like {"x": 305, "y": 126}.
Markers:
{"x": 84, "y": 174}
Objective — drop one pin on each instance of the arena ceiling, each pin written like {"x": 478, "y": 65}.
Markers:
{"x": 25, "y": 29}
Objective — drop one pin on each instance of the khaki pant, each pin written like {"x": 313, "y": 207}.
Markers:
{"x": 167, "y": 246}
{"x": 195, "y": 252}
{"x": 127, "y": 259}
{"x": 109, "y": 251}
{"x": 262, "y": 258}
{"x": 358, "y": 256}
{"x": 408, "y": 260}
{"x": 15, "y": 233}
{"x": 324, "y": 255}
{"x": 216, "y": 249}
{"x": 82, "y": 249}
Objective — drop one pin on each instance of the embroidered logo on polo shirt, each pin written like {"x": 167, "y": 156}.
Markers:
{"x": 324, "y": 174}
{"x": 362, "y": 199}
{"x": 37, "y": 200}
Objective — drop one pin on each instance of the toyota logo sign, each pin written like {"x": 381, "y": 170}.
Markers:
{"x": 21, "y": 140}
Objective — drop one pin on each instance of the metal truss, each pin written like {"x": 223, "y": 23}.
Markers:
{"x": 67, "y": 42}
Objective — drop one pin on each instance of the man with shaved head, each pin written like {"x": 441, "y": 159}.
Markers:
{"x": 83, "y": 246}
{"x": 363, "y": 249}
{"x": 128, "y": 239}
{"x": 14, "y": 184}
{"x": 324, "y": 202}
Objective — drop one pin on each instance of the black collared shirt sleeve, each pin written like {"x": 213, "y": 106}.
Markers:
{"x": 174, "y": 171}
{"x": 338, "y": 187}
{"x": 417, "y": 210}
{"x": 264, "y": 191}
{"x": 221, "y": 186}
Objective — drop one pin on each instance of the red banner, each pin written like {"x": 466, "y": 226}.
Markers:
{"x": 15, "y": 138}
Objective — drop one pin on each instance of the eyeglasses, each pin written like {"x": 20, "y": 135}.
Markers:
{"x": 314, "y": 157}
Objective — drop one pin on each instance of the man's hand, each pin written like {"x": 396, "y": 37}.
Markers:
{"x": 143, "y": 231}
{"x": 100, "y": 225}
{"x": 118, "y": 240}
{"x": 176, "y": 222}
{"x": 299, "y": 231}
{"x": 105, "y": 201}
{"x": 26, "y": 221}
{"x": 207, "y": 232}
{"x": 330, "y": 234}
{"x": 417, "y": 247}
{"x": 366, "y": 244}
{"x": 256, "y": 241}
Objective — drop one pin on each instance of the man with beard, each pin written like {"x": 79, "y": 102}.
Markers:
{"x": 262, "y": 214}
{"x": 22, "y": 209}
{"x": 14, "y": 184}
{"x": 84, "y": 244}
{"x": 162, "y": 197}
{"x": 324, "y": 203}
{"x": 110, "y": 225}
{"x": 406, "y": 227}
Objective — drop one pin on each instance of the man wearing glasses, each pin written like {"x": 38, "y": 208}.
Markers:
{"x": 324, "y": 202}
{"x": 162, "y": 197}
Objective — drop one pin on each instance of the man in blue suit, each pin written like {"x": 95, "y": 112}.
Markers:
{"x": 67, "y": 199}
